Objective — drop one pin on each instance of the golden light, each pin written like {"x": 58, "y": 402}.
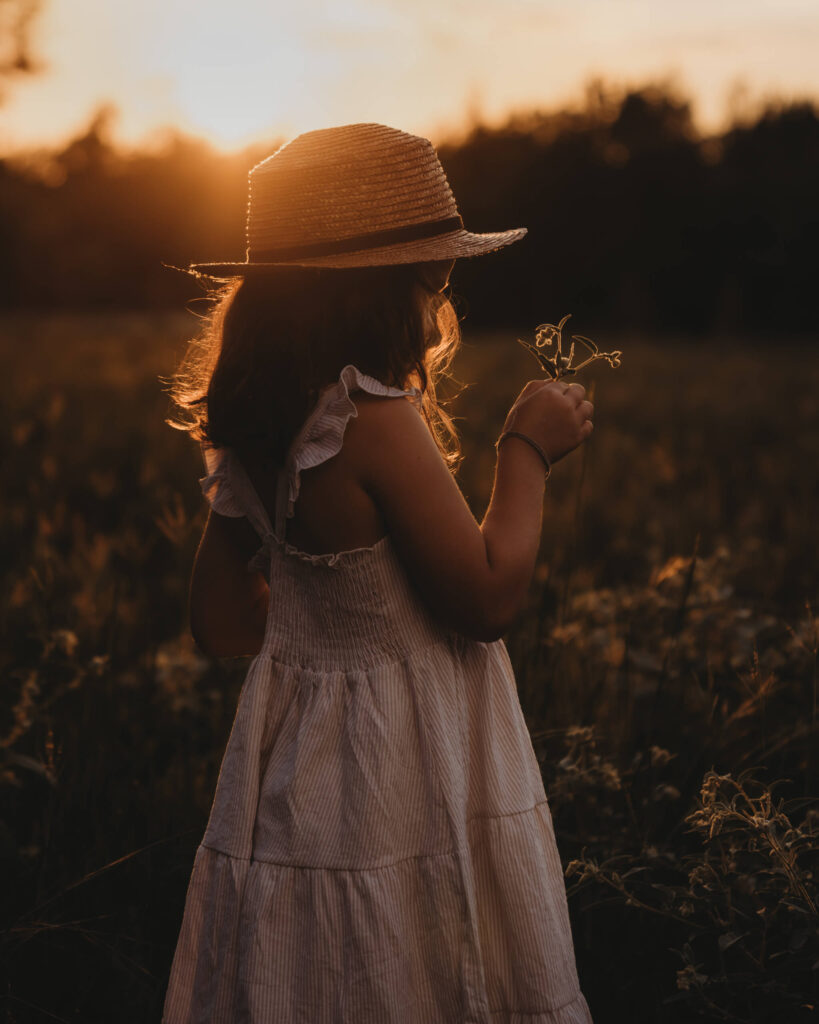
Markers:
{"x": 235, "y": 71}
{"x": 255, "y": 69}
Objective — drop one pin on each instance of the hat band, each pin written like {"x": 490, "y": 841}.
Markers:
{"x": 371, "y": 240}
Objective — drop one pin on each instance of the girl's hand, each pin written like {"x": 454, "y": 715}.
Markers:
{"x": 554, "y": 414}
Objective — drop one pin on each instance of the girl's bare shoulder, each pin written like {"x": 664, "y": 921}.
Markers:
{"x": 385, "y": 423}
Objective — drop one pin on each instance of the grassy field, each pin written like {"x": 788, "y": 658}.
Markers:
{"x": 666, "y": 664}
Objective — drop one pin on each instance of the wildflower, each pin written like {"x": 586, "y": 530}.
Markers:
{"x": 566, "y": 633}
{"x": 554, "y": 361}
{"x": 65, "y": 641}
{"x": 666, "y": 792}
{"x": 609, "y": 776}
{"x": 660, "y": 756}
{"x": 98, "y": 664}
{"x": 688, "y": 977}
{"x": 23, "y": 710}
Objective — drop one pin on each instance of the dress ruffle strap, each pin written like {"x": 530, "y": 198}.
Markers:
{"x": 218, "y": 483}
{"x": 230, "y": 491}
{"x": 322, "y": 434}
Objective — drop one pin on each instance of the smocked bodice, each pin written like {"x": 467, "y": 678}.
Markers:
{"x": 352, "y": 611}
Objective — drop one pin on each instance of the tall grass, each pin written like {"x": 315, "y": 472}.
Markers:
{"x": 666, "y": 664}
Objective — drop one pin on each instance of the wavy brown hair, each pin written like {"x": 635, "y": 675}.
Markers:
{"x": 271, "y": 342}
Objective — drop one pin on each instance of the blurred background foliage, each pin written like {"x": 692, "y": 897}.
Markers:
{"x": 669, "y": 646}
{"x": 635, "y": 216}
{"x": 667, "y": 661}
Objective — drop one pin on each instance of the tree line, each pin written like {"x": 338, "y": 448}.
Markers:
{"x": 637, "y": 220}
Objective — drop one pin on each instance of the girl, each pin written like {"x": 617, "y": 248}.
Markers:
{"x": 380, "y": 848}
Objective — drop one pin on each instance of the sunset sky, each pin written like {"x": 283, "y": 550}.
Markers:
{"x": 247, "y": 69}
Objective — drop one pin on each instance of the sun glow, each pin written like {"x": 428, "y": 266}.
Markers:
{"x": 258, "y": 69}
{"x": 238, "y": 71}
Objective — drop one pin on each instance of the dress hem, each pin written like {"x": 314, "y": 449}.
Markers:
{"x": 575, "y": 1011}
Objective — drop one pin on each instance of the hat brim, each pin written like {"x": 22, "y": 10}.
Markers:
{"x": 452, "y": 245}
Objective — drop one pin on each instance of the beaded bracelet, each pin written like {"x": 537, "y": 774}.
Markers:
{"x": 529, "y": 441}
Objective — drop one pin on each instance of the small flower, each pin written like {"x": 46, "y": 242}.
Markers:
{"x": 689, "y": 977}
{"x": 554, "y": 361}
{"x": 660, "y": 756}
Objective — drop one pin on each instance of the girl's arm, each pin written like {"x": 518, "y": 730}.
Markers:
{"x": 475, "y": 578}
{"x": 227, "y": 603}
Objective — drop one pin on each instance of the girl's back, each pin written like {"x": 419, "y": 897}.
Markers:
{"x": 334, "y": 511}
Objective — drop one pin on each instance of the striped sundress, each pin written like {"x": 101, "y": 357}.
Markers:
{"x": 380, "y": 849}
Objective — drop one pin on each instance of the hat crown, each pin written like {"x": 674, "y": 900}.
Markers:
{"x": 332, "y": 184}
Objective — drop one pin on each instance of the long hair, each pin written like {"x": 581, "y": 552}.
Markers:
{"x": 271, "y": 342}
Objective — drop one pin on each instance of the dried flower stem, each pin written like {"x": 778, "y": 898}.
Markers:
{"x": 553, "y": 361}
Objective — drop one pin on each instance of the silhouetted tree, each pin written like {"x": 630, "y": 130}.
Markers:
{"x": 636, "y": 220}
{"x": 16, "y": 23}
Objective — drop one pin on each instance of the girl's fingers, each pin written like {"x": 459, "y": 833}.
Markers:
{"x": 587, "y": 409}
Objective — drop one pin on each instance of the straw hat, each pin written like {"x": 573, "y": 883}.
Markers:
{"x": 362, "y": 195}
